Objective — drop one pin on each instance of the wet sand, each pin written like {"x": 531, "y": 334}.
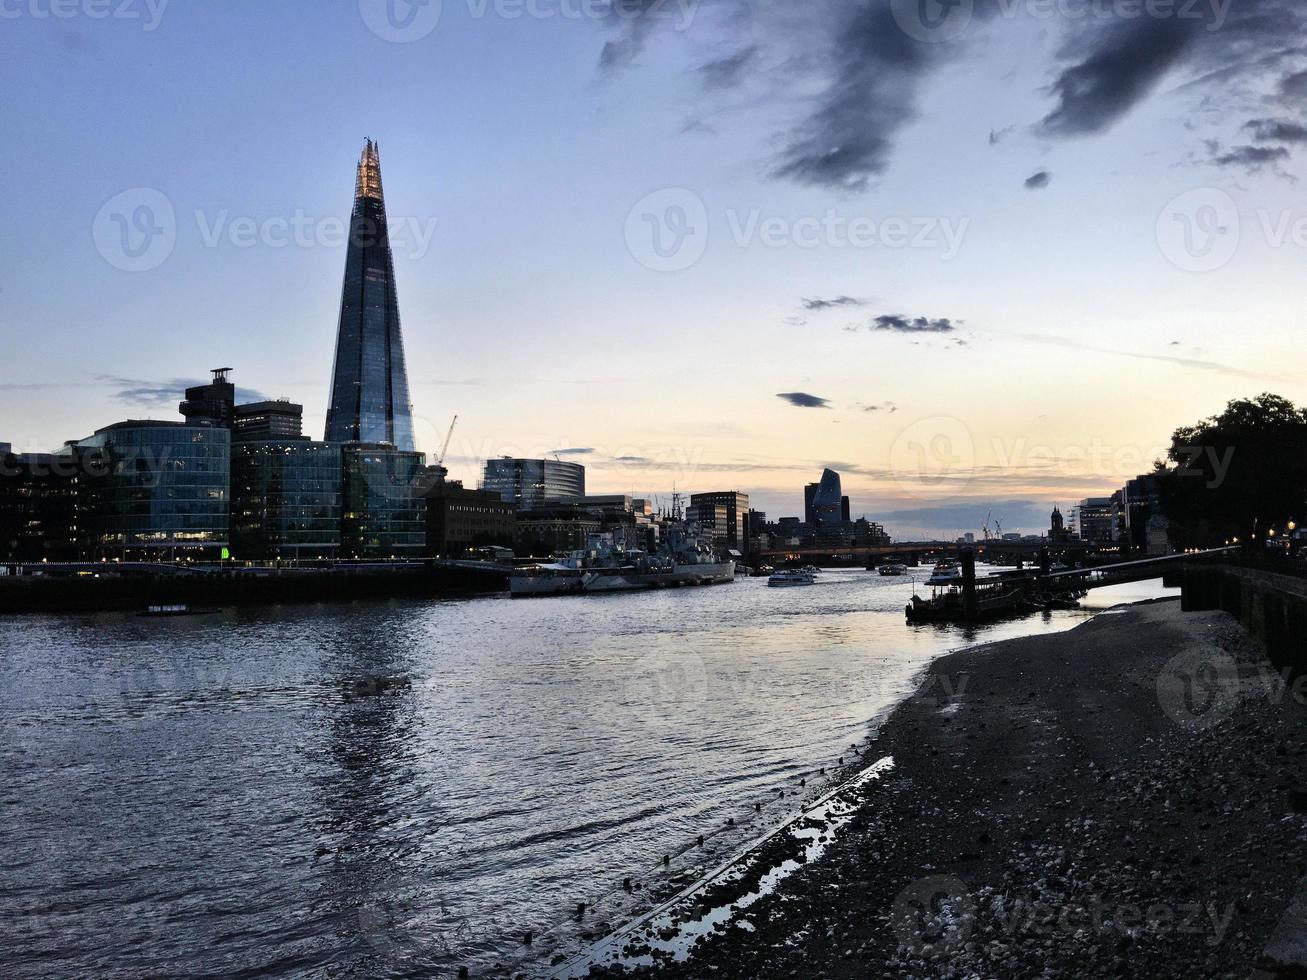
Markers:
{"x": 1118, "y": 800}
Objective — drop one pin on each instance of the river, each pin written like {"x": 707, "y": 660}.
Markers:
{"x": 220, "y": 795}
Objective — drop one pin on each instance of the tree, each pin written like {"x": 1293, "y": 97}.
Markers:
{"x": 1237, "y": 474}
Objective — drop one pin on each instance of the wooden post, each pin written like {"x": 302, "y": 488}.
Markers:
{"x": 969, "y": 583}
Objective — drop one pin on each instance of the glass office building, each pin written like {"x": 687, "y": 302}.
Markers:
{"x": 162, "y": 491}
{"x": 534, "y": 483}
{"x": 384, "y": 503}
{"x": 286, "y": 500}
{"x": 369, "y": 389}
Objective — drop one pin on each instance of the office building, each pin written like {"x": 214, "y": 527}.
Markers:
{"x": 267, "y": 422}
{"x": 38, "y": 506}
{"x": 735, "y": 533}
{"x": 547, "y": 531}
{"x": 369, "y": 389}
{"x": 211, "y": 404}
{"x": 1096, "y": 520}
{"x": 1142, "y": 503}
{"x": 828, "y": 507}
{"x": 713, "y": 518}
{"x": 383, "y": 500}
{"x": 531, "y": 484}
{"x": 162, "y": 491}
{"x": 459, "y": 520}
{"x": 286, "y": 500}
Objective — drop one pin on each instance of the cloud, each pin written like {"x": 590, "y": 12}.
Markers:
{"x": 727, "y": 72}
{"x": 814, "y": 305}
{"x": 902, "y": 324}
{"x": 801, "y": 399}
{"x": 161, "y": 394}
{"x": 1038, "y": 181}
{"x": 575, "y": 452}
{"x": 1121, "y": 65}
{"x": 1277, "y": 131}
{"x": 1294, "y": 85}
{"x": 1251, "y": 157}
{"x": 889, "y": 407}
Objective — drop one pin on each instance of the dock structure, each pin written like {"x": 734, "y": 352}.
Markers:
{"x": 973, "y": 600}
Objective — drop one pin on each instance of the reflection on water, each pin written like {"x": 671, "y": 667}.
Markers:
{"x": 218, "y": 795}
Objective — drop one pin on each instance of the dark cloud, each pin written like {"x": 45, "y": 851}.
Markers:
{"x": 848, "y": 140}
{"x": 162, "y": 394}
{"x": 920, "y": 324}
{"x": 575, "y": 452}
{"x": 1251, "y": 157}
{"x": 1277, "y": 131}
{"x": 801, "y": 399}
{"x": 1038, "y": 181}
{"x": 1120, "y": 67}
{"x": 728, "y": 72}
{"x": 814, "y": 305}
{"x": 1294, "y": 86}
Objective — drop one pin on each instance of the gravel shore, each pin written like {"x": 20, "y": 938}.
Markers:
{"x": 1118, "y": 800}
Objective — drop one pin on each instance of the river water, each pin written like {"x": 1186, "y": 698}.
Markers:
{"x": 218, "y": 795}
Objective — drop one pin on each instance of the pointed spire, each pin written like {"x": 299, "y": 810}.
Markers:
{"x": 369, "y": 176}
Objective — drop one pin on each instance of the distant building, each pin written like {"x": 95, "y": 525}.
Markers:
{"x": 163, "y": 491}
{"x": 1058, "y": 533}
{"x": 1096, "y": 520}
{"x": 286, "y": 500}
{"x": 1142, "y": 503}
{"x": 736, "y": 503}
{"x": 383, "y": 502}
{"x": 713, "y": 519}
{"x": 546, "y": 531}
{"x": 369, "y": 388}
{"x": 38, "y": 506}
{"x": 845, "y": 510}
{"x": 211, "y": 404}
{"x": 531, "y": 484}
{"x": 461, "y": 520}
{"x": 267, "y": 422}
{"x": 828, "y": 506}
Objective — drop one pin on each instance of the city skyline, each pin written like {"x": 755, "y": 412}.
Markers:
{"x": 530, "y": 276}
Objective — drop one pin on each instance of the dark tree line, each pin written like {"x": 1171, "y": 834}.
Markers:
{"x": 1237, "y": 474}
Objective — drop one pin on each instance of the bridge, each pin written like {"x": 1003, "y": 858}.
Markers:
{"x": 999, "y": 552}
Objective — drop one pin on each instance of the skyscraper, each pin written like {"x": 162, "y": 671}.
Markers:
{"x": 827, "y": 501}
{"x": 369, "y": 388}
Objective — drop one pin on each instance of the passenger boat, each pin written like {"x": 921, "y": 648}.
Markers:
{"x": 791, "y": 577}
{"x": 893, "y": 570}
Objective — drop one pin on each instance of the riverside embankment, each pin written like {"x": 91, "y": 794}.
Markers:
{"x": 1118, "y": 800}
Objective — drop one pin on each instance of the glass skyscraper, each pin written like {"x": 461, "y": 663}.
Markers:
{"x": 369, "y": 389}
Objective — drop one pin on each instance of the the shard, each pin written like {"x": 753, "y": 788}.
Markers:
{"x": 369, "y": 387}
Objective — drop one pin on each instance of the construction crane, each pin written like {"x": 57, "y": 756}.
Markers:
{"x": 444, "y": 450}
{"x": 985, "y": 527}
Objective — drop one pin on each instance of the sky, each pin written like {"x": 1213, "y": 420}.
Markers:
{"x": 979, "y": 256}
